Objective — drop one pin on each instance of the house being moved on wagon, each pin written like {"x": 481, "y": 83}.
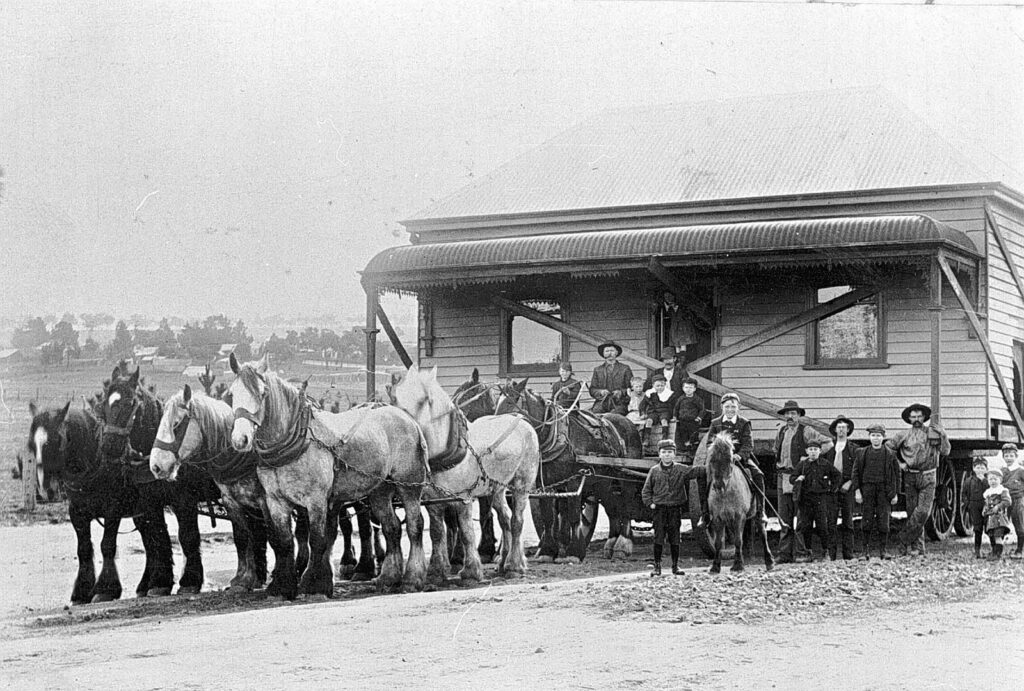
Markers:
{"x": 827, "y": 247}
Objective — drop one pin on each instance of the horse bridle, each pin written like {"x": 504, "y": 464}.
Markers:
{"x": 256, "y": 420}
{"x": 179, "y": 431}
{"x": 117, "y": 430}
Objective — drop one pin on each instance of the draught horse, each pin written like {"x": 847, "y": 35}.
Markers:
{"x": 487, "y": 457}
{"x": 317, "y": 461}
{"x": 733, "y": 505}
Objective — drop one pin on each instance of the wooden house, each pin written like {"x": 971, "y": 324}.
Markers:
{"x": 827, "y": 247}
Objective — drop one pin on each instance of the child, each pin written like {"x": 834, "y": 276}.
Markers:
{"x": 657, "y": 407}
{"x": 997, "y": 504}
{"x": 665, "y": 493}
{"x": 1013, "y": 480}
{"x": 820, "y": 483}
{"x": 689, "y": 414}
{"x": 565, "y": 392}
{"x": 876, "y": 476}
{"x": 972, "y": 495}
{"x": 636, "y": 401}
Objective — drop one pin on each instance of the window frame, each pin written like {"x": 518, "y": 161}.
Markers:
{"x": 811, "y": 359}
{"x": 506, "y": 368}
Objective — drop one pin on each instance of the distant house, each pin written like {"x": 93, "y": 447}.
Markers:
{"x": 226, "y": 349}
{"x": 193, "y": 371}
{"x": 9, "y": 356}
{"x": 145, "y": 355}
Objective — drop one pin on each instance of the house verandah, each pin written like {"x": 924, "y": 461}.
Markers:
{"x": 843, "y": 314}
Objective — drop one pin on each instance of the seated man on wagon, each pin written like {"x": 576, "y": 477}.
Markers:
{"x": 743, "y": 451}
{"x": 609, "y": 384}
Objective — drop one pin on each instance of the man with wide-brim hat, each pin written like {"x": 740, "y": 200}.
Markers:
{"x": 609, "y": 383}
{"x": 790, "y": 450}
{"x": 919, "y": 449}
{"x": 841, "y": 455}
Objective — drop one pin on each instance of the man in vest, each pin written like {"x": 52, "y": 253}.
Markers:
{"x": 790, "y": 450}
{"x": 743, "y": 450}
{"x": 919, "y": 449}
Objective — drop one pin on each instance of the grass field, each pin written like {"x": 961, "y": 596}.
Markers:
{"x": 54, "y": 386}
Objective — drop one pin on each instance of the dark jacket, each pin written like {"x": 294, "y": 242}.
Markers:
{"x": 655, "y": 408}
{"x": 667, "y": 486}
{"x": 564, "y": 393}
{"x": 742, "y": 438}
{"x": 820, "y": 477}
{"x": 849, "y": 451}
{"x": 608, "y": 387}
{"x": 675, "y": 383}
{"x": 891, "y": 471}
{"x": 689, "y": 409}
{"x": 1013, "y": 480}
{"x": 973, "y": 490}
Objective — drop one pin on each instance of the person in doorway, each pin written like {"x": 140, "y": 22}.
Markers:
{"x": 790, "y": 449}
{"x": 664, "y": 492}
{"x": 972, "y": 495}
{"x": 1013, "y": 481}
{"x": 919, "y": 449}
{"x": 875, "y": 485}
{"x": 677, "y": 326}
{"x": 841, "y": 456}
{"x": 609, "y": 382}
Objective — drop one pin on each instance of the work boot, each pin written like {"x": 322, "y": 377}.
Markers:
{"x": 676, "y": 571}
{"x": 657, "y": 569}
{"x": 977, "y": 552}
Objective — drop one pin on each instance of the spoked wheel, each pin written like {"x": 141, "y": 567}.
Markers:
{"x": 945, "y": 507}
{"x": 962, "y": 523}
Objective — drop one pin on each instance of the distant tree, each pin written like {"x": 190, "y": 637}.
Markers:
{"x": 106, "y": 319}
{"x": 90, "y": 349}
{"x": 279, "y": 348}
{"x": 69, "y": 318}
{"x": 206, "y": 379}
{"x": 50, "y": 319}
{"x": 90, "y": 322}
{"x": 121, "y": 346}
{"x": 353, "y": 345}
{"x": 32, "y": 334}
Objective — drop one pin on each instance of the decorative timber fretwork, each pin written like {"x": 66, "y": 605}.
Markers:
{"x": 758, "y": 404}
{"x": 975, "y": 323}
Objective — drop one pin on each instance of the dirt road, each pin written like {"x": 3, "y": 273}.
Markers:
{"x": 801, "y": 626}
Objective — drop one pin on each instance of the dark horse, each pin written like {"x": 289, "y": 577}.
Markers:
{"x": 566, "y": 524}
{"x": 734, "y": 506}
{"x": 130, "y": 416}
{"x": 69, "y": 438}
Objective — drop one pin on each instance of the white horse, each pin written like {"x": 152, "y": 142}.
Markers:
{"x": 316, "y": 461}
{"x": 502, "y": 455}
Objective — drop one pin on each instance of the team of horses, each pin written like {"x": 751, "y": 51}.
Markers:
{"x": 288, "y": 472}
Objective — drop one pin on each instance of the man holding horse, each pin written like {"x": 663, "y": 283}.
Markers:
{"x": 739, "y": 429}
{"x": 609, "y": 383}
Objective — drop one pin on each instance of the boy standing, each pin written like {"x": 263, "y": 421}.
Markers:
{"x": 972, "y": 495}
{"x": 689, "y": 414}
{"x": 997, "y": 505}
{"x": 566, "y": 391}
{"x": 665, "y": 493}
{"x": 820, "y": 484}
{"x": 1013, "y": 480}
{"x": 876, "y": 475}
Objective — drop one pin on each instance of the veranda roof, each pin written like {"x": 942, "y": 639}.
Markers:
{"x": 814, "y": 241}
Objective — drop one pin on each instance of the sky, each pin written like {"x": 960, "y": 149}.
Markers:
{"x": 250, "y": 158}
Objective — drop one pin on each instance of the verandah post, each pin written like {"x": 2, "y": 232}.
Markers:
{"x": 935, "y": 311}
{"x": 371, "y": 332}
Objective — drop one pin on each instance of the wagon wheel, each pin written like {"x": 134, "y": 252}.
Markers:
{"x": 944, "y": 509}
{"x": 962, "y": 523}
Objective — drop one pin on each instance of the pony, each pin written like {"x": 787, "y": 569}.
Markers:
{"x": 565, "y": 525}
{"x": 195, "y": 430}
{"x": 317, "y": 462}
{"x": 130, "y": 416}
{"x": 69, "y": 438}
{"x": 734, "y": 506}
{"x": 486, "y": 457}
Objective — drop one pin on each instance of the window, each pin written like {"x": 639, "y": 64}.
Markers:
{"x": 529, "y": 348}
{"x": 854, "y": 337}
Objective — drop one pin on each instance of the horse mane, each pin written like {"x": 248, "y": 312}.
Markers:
{"x": 214, "y": 417}
{"x": 720, "y": 453}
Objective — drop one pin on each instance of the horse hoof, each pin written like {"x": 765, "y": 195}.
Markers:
{"x": 769, "y": 567}
{"x": 609, "y": 546}
{"x": 188, "y": 590}
{"x": 716, "y": 569}
{"x": 313, "y": 597}
{"x": 277, "y": 597}
{"x": 357, "y": 576}
{"x": 573, "y": 561}
{"x": 736, "y": 568}
{"x": 544, "y": 559}
{"x": 158, "y": 592}
{"x": 236, "y": 588}
{"x": 102, "y": 597}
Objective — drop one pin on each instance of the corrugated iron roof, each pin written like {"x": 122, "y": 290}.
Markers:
{"x": 834, "y": 239}
{"x": 832, "y": 141}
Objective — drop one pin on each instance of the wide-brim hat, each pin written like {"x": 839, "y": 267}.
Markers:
{"x": 841, "y": 418}
{"x": 792, "y": 405}
{"x": 613, "y": 344}
{"x": 925, "y": 410}
{"x": 668, "y": 352}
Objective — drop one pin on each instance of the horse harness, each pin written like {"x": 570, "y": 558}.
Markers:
{"x": 227, "y": 467}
